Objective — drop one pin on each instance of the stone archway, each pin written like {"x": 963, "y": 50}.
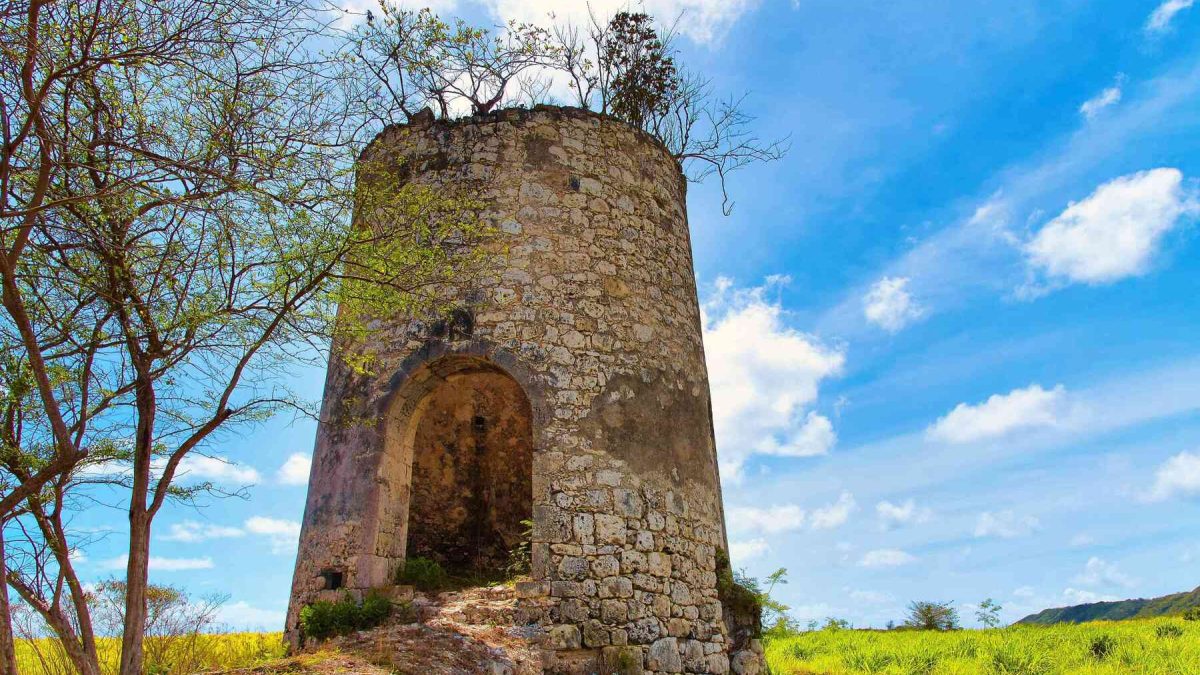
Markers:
{"x": 458, "y": 466}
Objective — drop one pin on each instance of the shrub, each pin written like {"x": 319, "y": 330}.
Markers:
{"x": 519, "y": 558}
{"x": 1192, "y": 614}
{"x": 1168, "y": 630}
{"x": 1102, "y": 646}
{"x": 422, "y": 573}
{"x": 324, "y": 619}
{"x": 927, "y": 615}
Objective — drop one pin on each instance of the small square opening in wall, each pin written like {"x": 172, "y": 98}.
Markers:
{"x": 575, "y": 183}
{"x": 480, "y": 424}
{"x": 333, "y": 579}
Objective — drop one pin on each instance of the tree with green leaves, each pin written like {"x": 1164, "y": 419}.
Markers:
{"x": 988, "y": 613}
{"x": 927, "y": 615}
{"x": 177, "y": 232}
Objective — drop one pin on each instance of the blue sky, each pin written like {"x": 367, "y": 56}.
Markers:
{"x": 951, "y": 336}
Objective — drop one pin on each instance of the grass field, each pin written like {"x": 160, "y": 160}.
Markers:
{"x": 190, "y": 654}
{"x": 1151, "y": 646}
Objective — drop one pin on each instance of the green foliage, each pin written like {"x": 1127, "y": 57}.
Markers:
{"x": 926, "y": 615}
{"x": 1192, "y": 614}
{"x": 988, "y": 613}
{"x": 644, "y": 79}
{"x": 423, "y": 574}
{"x": 324, "y": 619}
{"x": 834, "y": 623}
{"x": 1168, "y": 630}
{"x": 1102, "y": 648}
{"x": 519, "y": 558}
{"x": 1139, "y": 608}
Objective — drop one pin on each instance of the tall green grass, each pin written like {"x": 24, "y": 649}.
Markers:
{"x": 1141, "y": 647}
{"x": 187, "y": 654}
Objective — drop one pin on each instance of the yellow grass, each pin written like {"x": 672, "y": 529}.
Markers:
{"x": 1134, "y": 647}
{"x": 181, "y": 655}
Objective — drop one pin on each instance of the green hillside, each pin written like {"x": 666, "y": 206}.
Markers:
{"x": 1138, "y": 608}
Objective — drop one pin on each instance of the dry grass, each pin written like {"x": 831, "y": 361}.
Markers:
{"x": 187, "y": 654}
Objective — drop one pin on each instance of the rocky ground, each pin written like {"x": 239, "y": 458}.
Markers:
{"x": 477, "y": 630}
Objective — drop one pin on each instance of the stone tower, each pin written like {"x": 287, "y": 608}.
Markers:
{"x": 569, "y": 388}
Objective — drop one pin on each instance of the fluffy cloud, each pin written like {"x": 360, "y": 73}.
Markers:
{"x": 1005, "y": 524}
{"x": 1160, "y": 18}
{"x": 1099, "y": 572}
{"x": 890, "y": 306}
{"x": 1178, "y": 476}
{"x": 892, "y": 515}
{"x": 282, "y": 534}
{"x": 160, "y": 564}
{"x": 1114, "y": 232}
{"x": 219, "y": 469}
{"x": 764, "y": 375}
{"x": 886, "y": 557}
{"x": 741, "y": 551}
{"x": 770, "y": 520}
{"x": 1109, "y": 97}
{"x": 190, "y": 532}
{"x": 294, "y": 470}
{"x": 243, "y": 616}
{"x": 789, "y": 517}
{"x": 828, "y": 517}
{"x": 1025, "y": 408}
{"x": 1075, "y": 596}
{"x": 702, "y": 21}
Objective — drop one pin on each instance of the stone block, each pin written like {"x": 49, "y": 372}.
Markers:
{"x": 663, "y": 656}
{"x": 626, "y": 660}
{"x": 565, "y": 636}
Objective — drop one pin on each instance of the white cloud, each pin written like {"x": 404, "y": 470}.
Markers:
{"x": 1099, "y": 572}
{"x": 741, "y": 551}
{"x": 872, "y": 597}
{"x": 835, "y": 514}
{"x": 1081, "y": 540}
{"x": 283, "y": 534}
{"x": 890, "y": 306}
{"x": 1075, "y": 596}
{"x": 1107, "y": 98}
{"x": 769, "y": 520}
{"x": 1160, "y": 18}
{"x": 160, "y": 564}
{"x": 243, "y": 616}
{"x": 1114, "y": 233}
{"x": 703, "y": 21}
{"x": 1005, "y": 524}
{"x": 764, "y": 375}
{"x": 1178, "y": 476}
{"x": 886, "y": 557}
{"x": 202, "y": 467}
{"x": 892, "y": 515}
{"x": 1002, "y": 413}
{"x": 294, "y": 470}
{"x": 190, "y": 532}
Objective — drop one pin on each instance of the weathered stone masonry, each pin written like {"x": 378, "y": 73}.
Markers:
{"x": 575, "y": 372}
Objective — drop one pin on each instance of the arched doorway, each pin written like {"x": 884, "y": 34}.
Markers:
{"x": 471, "y": 449}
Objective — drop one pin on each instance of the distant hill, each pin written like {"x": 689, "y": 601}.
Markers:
{"x": 1138, "y": 608}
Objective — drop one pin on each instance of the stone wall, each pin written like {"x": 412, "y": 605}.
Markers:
{"x": 593, "y": 313}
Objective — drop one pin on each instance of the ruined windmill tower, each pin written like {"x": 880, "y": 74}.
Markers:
{"x": 570, "y": 389}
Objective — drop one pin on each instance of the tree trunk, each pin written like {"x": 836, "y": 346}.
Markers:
{"x": 8, "y": 653}
{"x": 136, "y": 578}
